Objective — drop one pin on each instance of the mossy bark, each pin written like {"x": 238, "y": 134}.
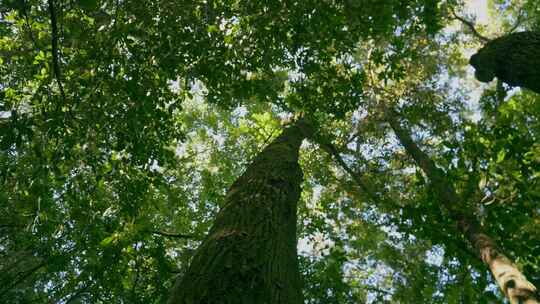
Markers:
{"x": 249, "y": 254}
{"x": 513, "y": 58}
{"x": 512, "y": 282}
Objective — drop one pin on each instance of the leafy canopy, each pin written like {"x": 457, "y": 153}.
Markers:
{"x": 114, "y": 164}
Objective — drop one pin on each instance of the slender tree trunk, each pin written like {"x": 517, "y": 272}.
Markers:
{"x": 512, "y": 282}
{"x": 249, "y": 254}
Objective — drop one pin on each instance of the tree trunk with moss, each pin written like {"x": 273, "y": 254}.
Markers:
{"x": 512, "y": 282}
{"x": 513, "y": 58}
{"x": 249, "y": 254}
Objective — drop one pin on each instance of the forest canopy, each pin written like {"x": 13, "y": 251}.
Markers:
{"x": 225, "y": 151}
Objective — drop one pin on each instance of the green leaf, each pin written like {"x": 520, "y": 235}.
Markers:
{"x": 212, "y": 28}
{"x": 500, "y": 156}
{"x": 107, "y": 241}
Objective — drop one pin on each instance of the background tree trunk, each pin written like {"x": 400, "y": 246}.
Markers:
{"x": 249, "y": 254}
{"x": 512, "y": 282}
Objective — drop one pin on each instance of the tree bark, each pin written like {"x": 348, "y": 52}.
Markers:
{"x": 249, "y": 254}
{"x": 512, "y": 282}
{"x": 513, "y": 58}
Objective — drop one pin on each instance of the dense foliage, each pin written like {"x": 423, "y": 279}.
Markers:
{"x": 123, "y": 123}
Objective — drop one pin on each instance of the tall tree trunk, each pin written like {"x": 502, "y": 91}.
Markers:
{"x": 512, "y": 282}
{"x": 249, "y": 254}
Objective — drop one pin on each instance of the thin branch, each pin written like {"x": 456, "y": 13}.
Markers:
{"x": 136, "y": 280}
{"x": 78, "y": 293}
{"x": 172, "y": 235}
{"x": 27, "y": 24}
{"x": 54, "y": 42}
{"x": 266, "y": 141}
{"x": 352, "y": 138}
{"x": 175, "y": 271}
{"x": 378, "y": 290}
{"x": 520, "y": 19}
{"x": 471, "y": 186}
{"x": 331, "y": 149}
{"x": 501, "y": 91}
{"x": 471, "y": 26}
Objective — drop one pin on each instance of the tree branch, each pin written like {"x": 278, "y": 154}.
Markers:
{"x": 520, "y": 19}
{"x": 357, "y": 178}
{"x": 54, "y": 42}
{"x": 27, "y": 24}
{"x": 471, "y": 26}
{"x": 172, "y": 235}
{"x": 378, "y": 290}
{"x": 78, "y": 293}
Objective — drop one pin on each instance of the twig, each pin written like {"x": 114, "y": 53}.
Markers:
{"x": 27, "y": 24}
{"x": 266, "y": 141}
{"x": 172, "y": 235}
{"x": 378, "y": 290}
{"x": 470, "y": 25}
{"x": 136, "y": 280}
{"x": 501, "y": 92}
{"x": 471, "y": 186}
{"x": 78, "y": 293}
{"x": 357, "y": 178}
{"x": 520, "y": 19}
{"x": 54, "y": 42}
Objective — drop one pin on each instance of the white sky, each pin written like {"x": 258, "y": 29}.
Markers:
{"x": 478, "y": 8}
